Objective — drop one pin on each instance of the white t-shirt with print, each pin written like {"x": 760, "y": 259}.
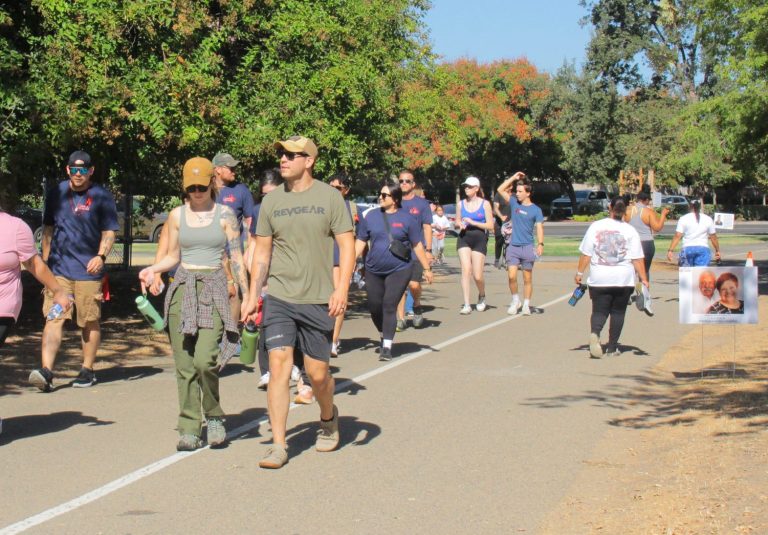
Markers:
{"x": 695, "y": 233}
{"x": 612, "y": 245}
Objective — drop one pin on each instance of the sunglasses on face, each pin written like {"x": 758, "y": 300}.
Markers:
{"x": 383, "y": 195}
{"x": 196, "y": 188}
{"x": 78, "y": 170}
{"x": 291, "y": 155}
{"x": 467, "y": 186}
{"x": 406, "y": 181}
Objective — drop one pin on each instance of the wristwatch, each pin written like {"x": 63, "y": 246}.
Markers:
{"x": 103, "y": 257}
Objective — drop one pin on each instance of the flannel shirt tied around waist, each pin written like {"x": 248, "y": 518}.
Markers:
{"x": 197, "y": 310}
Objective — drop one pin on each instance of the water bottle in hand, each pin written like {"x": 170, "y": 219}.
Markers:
{"x": 57, "y": 310}
{"x": 578, "y": 293}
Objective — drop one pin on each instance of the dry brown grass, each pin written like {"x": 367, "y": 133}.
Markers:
{"x": 690, "y": 456}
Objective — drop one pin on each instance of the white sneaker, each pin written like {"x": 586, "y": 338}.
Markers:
{"x": 466, "y": 309}
{"x": 480, "y": 306}
{"x": 264, "y": 381}
{"x": 514, "y": 308}
{"x": 295, "y": 374}
{"x": 526, "y": 310}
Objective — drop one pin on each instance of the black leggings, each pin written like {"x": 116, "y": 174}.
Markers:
{"x": 5, "y": 328}
{"x": 384, "y": 293}
{"x": 649, "y": 249}
{"x": 609, "y": 301}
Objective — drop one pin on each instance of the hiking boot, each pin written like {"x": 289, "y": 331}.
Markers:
{"x": 217, "y": 434}
{"x": 526, "y": 310}
{"x": 85, "y": 378}
{"x": 42, "y": 378}
{"x": 276, "y": 457}
{"x": 189, "y": 442}
{"x": 465, "y": 310}
{"x": 263, "y": 382}
{"x": 385, "y": 354}
{"x": 595, "y": 349}
{"x": 418, "y": 319}
{"x": 514, "y": 308}
{"x": 328, "y": 436}
{"x": 400, "y": 327}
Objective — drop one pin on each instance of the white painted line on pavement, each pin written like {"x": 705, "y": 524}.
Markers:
{"x": 150, "y": 469}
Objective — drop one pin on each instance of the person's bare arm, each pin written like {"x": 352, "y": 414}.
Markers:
{"x": 582, "y": 268}
{"x": 653, "y": 220}
{"x": 42, "y": 273}
{"x": 232, "y": 231}
{"x": 262, "y": 254}
{"x": 96, "y": 264}
{"x": 171, "y": 258}
{"x": 716, "y": 245}
{"x": 338, "y": 300}
{"x": 673, "y": 244}
{"x": 359, "y": 247}
{"x": 540, "y": 238}
{"x": 505, "y": 189}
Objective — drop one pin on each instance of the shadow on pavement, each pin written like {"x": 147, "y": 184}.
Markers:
{"x": 126, "y": 373}
{"x": 352, "y": 432}
{"x": 20, "y": 427}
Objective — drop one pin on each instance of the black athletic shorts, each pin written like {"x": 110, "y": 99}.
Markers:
{"x": 305, "y": 326}
{"x": 474, "y": 238}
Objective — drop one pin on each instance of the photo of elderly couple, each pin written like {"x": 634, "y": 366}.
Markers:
{"x": 718, "y": 295}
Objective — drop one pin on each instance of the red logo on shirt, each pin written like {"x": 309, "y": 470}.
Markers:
{"x": 397, "y": 225}
{"x": 229, "y": 198}
{"x": 414, "y": 211}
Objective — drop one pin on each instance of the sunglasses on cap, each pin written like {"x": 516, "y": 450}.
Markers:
{"x": 197, "y": 188}
{"x": 78, "y": 170}
{"x": 291, "y": 155}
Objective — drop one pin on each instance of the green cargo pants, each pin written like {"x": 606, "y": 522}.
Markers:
{"x": 197, "y": 376}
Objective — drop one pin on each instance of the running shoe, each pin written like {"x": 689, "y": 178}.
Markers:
{"x": 595, "y": 349}
{"x": 526, "y": 310}
{"x": 328, "y": 437}
{"x": 42, "y": 378}
{"x": 514, "y": 308}
{"x": 612, "y": 352}
{"x": 385, "y": 354}
{"x": 276, "y": 457}
{"x": 217, "y": 433}
{"x": 85, "y": 378}
{"x": 335, "y": 348}
{"x": 189, "y": 442}
{"x": 304, "y": 395}
{"x": 465, "y": 310}
{"x": 480, "y": 306}
{"x": 295, "y": 374}
{"x": 400, "y": 327}
{"x": 264, "y": 381}
{"x": 418, "y": 318}
{"x": 496, "y": 263}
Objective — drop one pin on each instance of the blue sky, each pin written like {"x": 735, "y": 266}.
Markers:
{"x": 547, "y": 32}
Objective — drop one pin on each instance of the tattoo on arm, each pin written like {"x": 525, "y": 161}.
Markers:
{"x": 107, "y": 241}
{"x": 259, "y": 277}
{"x": 236, "y": 265}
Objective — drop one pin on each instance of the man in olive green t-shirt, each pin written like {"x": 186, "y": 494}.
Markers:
{"x": 297, "y": 225}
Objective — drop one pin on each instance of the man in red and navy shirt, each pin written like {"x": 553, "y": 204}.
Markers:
{"x": 231, "y": 192}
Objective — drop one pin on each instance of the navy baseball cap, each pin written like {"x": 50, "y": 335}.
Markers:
{"x": 80, "y": 156}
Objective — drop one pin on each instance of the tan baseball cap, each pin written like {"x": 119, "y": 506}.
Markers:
{"x": 197, "y": 171}
{"x": 298, "y": 144}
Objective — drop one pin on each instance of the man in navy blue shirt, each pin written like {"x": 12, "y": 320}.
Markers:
{"x": 419, "y": 209}
{"x": 79, "y": 224}
{"x": 238, "y": 197}
{"x": 527, "y": 242}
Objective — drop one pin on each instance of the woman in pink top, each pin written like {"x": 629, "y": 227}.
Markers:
{"x": 18, "y": 247}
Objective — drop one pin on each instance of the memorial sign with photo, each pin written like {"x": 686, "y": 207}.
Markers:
{"x": 723, "y": 221}
{"x": 720, "y": 295}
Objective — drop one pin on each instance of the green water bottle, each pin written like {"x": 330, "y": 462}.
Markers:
{"x": 149, "y": 312}
{"x": 249, "y": 343}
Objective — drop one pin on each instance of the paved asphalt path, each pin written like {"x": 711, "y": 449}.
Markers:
{"x": 480, "y": 428}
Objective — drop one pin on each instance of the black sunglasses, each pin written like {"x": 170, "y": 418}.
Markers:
{"x": 196, "y": 188}
{"x": 291, "y": 155}
{"x": 383, "y": 195}
{"x": 406, "y": 181}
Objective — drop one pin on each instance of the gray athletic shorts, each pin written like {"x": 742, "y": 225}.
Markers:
{"x": 417, "y": 270}
{"x": 521, "y": 255}
{"x": 305, "y": 326}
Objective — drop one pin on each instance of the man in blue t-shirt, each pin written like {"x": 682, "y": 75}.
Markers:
{"x": 238, "y": 197}
{"x": 419, "y": 209}
{"x": 79, "y": 224}
{"x": 527, "y": 226}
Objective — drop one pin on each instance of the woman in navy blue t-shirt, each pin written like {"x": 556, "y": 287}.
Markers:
{"x": 389, "y": 259}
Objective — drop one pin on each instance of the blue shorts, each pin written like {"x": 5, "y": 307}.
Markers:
{"x": 521, "y": 255}
{"x": 694, "y": 256}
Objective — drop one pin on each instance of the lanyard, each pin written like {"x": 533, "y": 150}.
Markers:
{"x": 78, "y": 208}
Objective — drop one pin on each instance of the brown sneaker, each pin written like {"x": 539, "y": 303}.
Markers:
{"x": 328, "y": 436}
{"x": 276, "y": 457}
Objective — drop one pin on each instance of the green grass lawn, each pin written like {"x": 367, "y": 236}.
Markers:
{"x": 570, "y": 246}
